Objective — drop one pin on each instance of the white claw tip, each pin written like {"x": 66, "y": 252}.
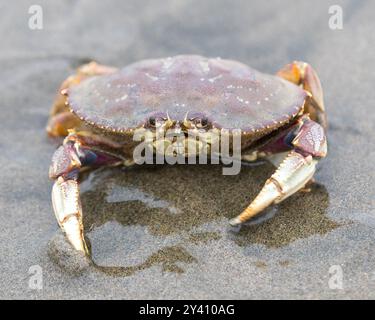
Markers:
{"x": 235, "y": 222}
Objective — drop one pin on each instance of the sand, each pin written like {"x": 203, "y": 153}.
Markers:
{"x": 163, "y": 232}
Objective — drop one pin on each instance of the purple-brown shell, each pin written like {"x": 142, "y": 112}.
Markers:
{"x": 230, "y": 94}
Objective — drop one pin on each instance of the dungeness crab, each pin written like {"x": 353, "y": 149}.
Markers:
{"x": 99, "y": 108}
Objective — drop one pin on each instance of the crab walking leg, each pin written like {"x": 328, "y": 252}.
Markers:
{"x": 59, "y": 124}
{"x": 68, "y": 160}
{"x": 301, "y": 73}
{"x": 294, "y": 172}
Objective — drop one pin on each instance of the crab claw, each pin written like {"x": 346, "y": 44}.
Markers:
{"x": 294, "y": 172}
{"x": 80, "y": 151}
{"x": 68, "y": 211}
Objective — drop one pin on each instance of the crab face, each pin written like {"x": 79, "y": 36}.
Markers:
{"x": 103, "y": 107}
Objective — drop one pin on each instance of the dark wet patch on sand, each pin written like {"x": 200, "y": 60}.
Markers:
{"x": 169, "y": 258}
{"x": 177, "y": 203}
{"x": 306, "y": 219}
{"x": 204, "y": 237}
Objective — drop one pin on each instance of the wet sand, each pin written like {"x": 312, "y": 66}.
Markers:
{"x": 163, "y": 232}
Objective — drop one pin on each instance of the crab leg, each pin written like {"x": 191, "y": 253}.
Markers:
{"x": 67, "y": 162}
{"x": 295, "y": 171}
{"x": 68, "y": 211}
{"x": 301, "y": 73}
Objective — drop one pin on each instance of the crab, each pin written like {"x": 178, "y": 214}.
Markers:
{"x": 97, "y": 110}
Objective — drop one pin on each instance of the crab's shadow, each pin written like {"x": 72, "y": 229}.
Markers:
{"x": 167, "y": 201}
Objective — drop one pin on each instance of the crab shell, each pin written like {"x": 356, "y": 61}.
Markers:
{"x": 227, "y": 93}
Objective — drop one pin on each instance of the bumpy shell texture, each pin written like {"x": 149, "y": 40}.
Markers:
{"x": 229, "y": 94}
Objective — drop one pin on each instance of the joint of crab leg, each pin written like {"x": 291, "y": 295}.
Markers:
{"x": 78, "y": 152}
{"x": 310, "y": 139}
{"x": 68, "y": 211}
{"x": 292, "y": 175}
{"x": 64, "y": 160}
{"x": 93, "y": 68}
{"x": 301, "y": 73}
{"x": 59, "y": 124}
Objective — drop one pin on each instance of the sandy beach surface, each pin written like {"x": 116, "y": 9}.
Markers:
{"x": 163, "y": 233}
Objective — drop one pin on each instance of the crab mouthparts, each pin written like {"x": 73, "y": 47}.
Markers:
{"x": 177, "y": 142}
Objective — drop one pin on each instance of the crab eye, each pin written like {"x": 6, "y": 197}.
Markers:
{"x": 155, "y": 121}
{"x": 152, "y": 121}
{"x": 201, "y": 122}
